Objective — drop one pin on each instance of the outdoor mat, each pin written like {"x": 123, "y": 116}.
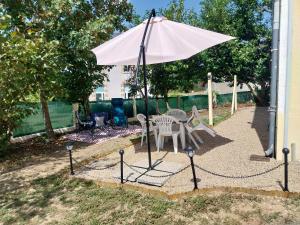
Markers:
{"x": 137, "y": 172}
{"x": 259, "y": 158}
{"x": 101, "y": 136}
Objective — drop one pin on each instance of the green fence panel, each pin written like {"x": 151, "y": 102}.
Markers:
{"x": 128, "y": 107}
{"x": 200, "y": 101}
{"x": 101, "y": 106}
{"x": 60, "y": 115}
{"x": 224, "y": 99}
{"x": 61, "y": 112}
{"x": 244, "y": 97}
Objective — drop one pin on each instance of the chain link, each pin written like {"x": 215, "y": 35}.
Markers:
{"x": 91, "y": 168}
{"x": 161, "y": 176}
{"x": 239, "y": 177}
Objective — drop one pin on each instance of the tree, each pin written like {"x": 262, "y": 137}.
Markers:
{"x": 180, "y": 75}
{"x": 82, "y": 28}
{"x": 60, "y": 35}
{"x": 248, "y": 57}
{"x": 15, "y": 85}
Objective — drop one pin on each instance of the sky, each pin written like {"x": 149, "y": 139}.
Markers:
{"x": 142, "y": 5}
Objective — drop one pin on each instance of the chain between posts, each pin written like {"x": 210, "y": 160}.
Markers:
{"x": 239, "y": 177}
{"x": 91, "y": 168}
{"x": 184, "y": 168}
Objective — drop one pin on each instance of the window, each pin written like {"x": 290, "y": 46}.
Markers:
{"x": 99, "y": 93}
{"x": 128, "y": 69}
{"x": 127, "y": 92}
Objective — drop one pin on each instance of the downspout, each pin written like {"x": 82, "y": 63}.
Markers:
{"x": 288, "y": 75}
{"x": 274, "y": 75}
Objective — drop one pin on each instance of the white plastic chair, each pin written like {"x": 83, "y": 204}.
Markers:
{"x": 177, "y": 113}
{"x": 200, "y": 126}
{"x": 165, "y": 128}
{"x": 142, "y": 119}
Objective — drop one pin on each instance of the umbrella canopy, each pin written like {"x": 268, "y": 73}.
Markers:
{"x": 165, "y": 41}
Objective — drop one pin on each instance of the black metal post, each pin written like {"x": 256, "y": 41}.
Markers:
{"x": 194, "y": 173}
{"x": 142, "y": 52}
{"x": 286, "y": 163}
{"x": 121, "y": 164}
{"x": 71, "y": 162}
{"x": 146, "y": 110}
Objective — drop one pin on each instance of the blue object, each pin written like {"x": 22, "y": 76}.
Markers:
{"x": 118, "y": 113}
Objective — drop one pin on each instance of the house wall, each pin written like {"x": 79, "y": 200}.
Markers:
{"x": 114, "y": 86}
{"x": 292, "y": 87}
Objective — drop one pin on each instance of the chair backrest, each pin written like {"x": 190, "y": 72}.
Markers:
{"x": 100, "y": 114}
{"x": 142, "y": 119}
{"x": 196, "y": 113}
{"x": 165, "y": 123}
{"x": 99, "y": 121}
{"x": 177, "y": 113}
{"x": 168, "y": 107}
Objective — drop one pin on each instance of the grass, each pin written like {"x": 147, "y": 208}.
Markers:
{"x": 58, "y": 199}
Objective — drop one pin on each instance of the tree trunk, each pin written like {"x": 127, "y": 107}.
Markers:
{"x": 157, "y": 107}
{"x": 47, "y": 120}
{"x": 256, "y": 96}
{"x": 86, "y": 107}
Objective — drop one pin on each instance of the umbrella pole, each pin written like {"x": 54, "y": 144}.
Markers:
{"x": 146, "y": 109}
{"x": 142, "y": 51}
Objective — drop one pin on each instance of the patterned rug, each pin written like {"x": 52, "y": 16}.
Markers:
{"x": 101, "y": 136}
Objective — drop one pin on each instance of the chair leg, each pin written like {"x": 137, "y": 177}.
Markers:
{"x": 142, "y": 140}
{"x": 175, "y": 143}
{"x": 158, "y": 142}
{"x": 198, "y": 137}
{"x": 208, "y": 130}
{"x": 162, "y": 141}
{"x": 155, "y": 136}
{"x": 193, "y": 140}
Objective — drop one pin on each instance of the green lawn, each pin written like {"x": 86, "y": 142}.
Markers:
{"x": 58, "y": 199}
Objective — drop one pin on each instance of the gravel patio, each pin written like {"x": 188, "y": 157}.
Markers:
{"x": 223, "y": 161}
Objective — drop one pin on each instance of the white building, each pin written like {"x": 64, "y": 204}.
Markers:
{"x": 115, "y": 86}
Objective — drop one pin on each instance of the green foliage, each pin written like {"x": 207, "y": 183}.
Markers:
{"x": 15, "y": 83}
{"x": 248, "y": 56}
{"x": 179, "y": 75}
{"x": 45, "y": 51}
{"x": 81, "y": 28}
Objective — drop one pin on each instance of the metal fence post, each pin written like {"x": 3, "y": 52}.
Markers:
{"x": 190, "y": 152}
{"x": 121, "y": 164}
{"x": 286, "y": 163}
{"x": 69, "y": 148}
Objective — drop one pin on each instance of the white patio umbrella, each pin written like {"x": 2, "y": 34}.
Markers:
{"x": 157, "y": 40}
{"x": 165, "y": 41}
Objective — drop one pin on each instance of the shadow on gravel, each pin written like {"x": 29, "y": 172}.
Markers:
{"x": 209, "y": 144}
{"x": 260, "y": 124}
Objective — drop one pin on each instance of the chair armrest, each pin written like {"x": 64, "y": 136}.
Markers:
{"x": 190, "y": 119}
